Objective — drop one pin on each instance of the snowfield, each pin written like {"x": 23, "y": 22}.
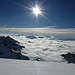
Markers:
{"x": 23, "y": 67}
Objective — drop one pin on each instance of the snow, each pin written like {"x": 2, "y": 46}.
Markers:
{"x": 22, "y": 67}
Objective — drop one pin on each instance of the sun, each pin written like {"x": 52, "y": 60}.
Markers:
{"x": 36, "y": 10}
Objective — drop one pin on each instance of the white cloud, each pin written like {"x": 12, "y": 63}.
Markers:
{"x": 41, "y": 31}
{"x": 47, "y": 47}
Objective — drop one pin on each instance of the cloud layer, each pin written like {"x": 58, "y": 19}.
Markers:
{"x": 43, "y": 44}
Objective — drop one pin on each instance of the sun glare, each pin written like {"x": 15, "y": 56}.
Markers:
{"x": 36, "y": 11}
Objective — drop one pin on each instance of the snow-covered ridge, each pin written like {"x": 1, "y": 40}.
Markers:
{"x": 10, "y": 48}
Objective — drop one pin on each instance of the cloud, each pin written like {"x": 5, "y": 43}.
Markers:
{"x": 41, "y": 31}
{"x": 50, "y": 27}
{"x": 46, "y": 48}
{"x": 43, "y": 44}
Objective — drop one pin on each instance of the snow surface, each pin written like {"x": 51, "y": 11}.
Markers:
{"x": 23, "y": 67}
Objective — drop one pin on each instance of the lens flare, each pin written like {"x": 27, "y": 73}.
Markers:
{"x": 36, "y": 10}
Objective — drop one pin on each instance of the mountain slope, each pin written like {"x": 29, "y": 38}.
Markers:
{"x": 10, "y": 48}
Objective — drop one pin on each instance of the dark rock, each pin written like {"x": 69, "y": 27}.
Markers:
{"x": 29, "y": 42}
{"x": 38, "y": 58}
{"x": 69, "y": 57}
{"x": 40, "y": 37}
{"x": 10, "y": 48}
{"x": 31, "y": 37}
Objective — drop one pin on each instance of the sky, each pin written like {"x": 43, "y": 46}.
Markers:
{"x": 56, "y": 13}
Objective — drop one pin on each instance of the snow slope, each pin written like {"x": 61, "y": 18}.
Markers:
{"x": 20, "y": 67}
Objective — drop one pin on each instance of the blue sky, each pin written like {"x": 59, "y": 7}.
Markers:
{"x": 58, "y": 13}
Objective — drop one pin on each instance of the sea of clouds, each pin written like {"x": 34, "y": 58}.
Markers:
{"x": 43, "y": 44}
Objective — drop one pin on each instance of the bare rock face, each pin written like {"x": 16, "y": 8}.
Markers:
{"x": 10, "y": 48}
{"x": 69, "y": 57}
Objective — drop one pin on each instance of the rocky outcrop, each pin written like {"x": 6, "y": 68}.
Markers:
{"x": 69, "y": 57}
{"x": 10, "y": 48}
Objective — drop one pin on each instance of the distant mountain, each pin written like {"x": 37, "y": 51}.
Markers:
{"x": 10, "y": 48}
